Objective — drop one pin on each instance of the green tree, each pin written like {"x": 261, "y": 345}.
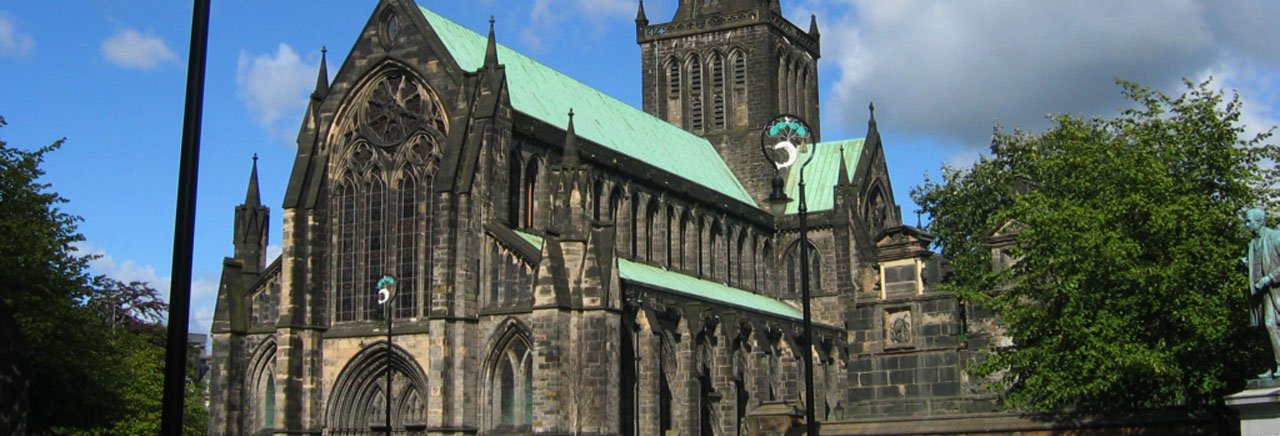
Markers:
{"x": 1128, "y": 291}
{"x": 94, "y": 346}
{"x": 43, "y": 281}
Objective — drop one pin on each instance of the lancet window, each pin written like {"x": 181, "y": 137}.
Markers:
{"x": 511, "y": 385}
{"x": 794, "y": 265}
{"x": 695, "y": 92}
{"x": 510, "y": 278}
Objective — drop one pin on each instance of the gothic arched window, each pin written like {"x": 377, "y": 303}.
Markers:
{"x": 712, "y": 248}
{"x": 345, "y": 308}
{"x": 695, "y": 92}
{"x": 408, "y": 228}
{"x": 737, "y": 104}
{"x": 382, "y": 217}
{"x": 495, "y": 274}
{"x": 528, "y": 190}
{"x": 793, "y": 268}
{"x": 651, "y": 215}
{"x": 372, "y": 209}
{"x": 511, "y": 385}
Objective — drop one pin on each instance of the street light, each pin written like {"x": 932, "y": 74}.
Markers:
{"x": 780, "y": 141}
{"x": 386, "y": 291}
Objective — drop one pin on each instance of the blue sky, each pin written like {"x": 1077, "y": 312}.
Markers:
{"x": 110, "y": 77}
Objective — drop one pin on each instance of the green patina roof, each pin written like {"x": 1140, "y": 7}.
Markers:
{"x": 708, "y": 290}
{"x": 546, "y": 94}
{"x": 532, "y": 238}
{"x": 822, "y": 174}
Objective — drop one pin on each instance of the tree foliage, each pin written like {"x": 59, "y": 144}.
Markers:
{"x": 95, "y": 345}
{"x": 1128, "y": 289}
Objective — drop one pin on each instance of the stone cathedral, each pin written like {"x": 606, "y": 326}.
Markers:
{"x": 567, "y": 263}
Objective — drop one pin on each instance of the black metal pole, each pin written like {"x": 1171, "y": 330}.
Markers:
{"x": 810, "y": 419}
{"x": 388, "y": 366}
{"x": 175, "y": 365}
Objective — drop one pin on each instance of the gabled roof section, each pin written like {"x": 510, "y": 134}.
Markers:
{"x": 703, "y": 289}
{"x": 546, "y": 94}
{"x": 821, "y": 175}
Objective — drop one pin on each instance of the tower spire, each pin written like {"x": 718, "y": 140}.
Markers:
{"x": 322, "y": 79}
{"x": 570, "y": 144}
{"x": 491, "y": 49}
{"x": 251, "y": 197}
{"x": 641, "y": 19}
{"x": 813, "y": 25}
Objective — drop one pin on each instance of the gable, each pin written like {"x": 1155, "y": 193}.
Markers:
{"x": 545, "y": 94}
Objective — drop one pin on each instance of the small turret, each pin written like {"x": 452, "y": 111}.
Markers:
{"x": 322, "y": 78}
{"x": 250, "y": 234}
{"x": 641, "y": 19}
{"x": 491, "y": 49}
{"x": 570, "y": 156}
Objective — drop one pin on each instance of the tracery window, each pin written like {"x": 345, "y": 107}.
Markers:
{"x": 382, "y": 216}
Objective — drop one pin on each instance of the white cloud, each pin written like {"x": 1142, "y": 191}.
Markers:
{"x": 546, "y": 17}
{"x": 273, "y": 251}
{"x": 13, "y": 43}
{"x": 948, "y": 70}
{"x": 130, "y": 49}
{"x": 204, "y": 290}
{"x": 274, "y": 87}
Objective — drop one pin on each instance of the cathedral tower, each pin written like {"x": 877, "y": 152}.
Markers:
{"x": 722, "y": 68}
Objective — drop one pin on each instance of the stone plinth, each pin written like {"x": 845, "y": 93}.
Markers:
{"x": 1259, "y": 407}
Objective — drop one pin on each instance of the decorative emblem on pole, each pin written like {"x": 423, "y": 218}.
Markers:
{"x": 386, "y": 289}
{"x": 788, "y": 133}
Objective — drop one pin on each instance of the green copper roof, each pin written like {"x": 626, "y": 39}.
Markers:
{"x": 546, "y": 94}
{"x": 822, "y": 174}
{"x": 532, "y": 238}
{"x": 707, "y": 290}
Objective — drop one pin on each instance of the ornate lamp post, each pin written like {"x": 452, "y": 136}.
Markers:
{"x": 386, "y": 291}
{"x": 780, "y": 141}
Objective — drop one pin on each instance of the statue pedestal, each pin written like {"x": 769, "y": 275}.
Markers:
{"x": 1258, "y": 406}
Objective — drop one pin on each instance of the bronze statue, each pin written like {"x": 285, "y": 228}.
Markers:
{"x": 1264, "y": 276}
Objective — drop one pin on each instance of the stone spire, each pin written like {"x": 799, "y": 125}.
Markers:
{"x": 570, "y": 156}
{"x": 322, "y": 80}
{"x": 813, "y": 25}
{"x": 251, "y": 197}
{"x": 641, "y": 19}
{"x": 491, "y": 49}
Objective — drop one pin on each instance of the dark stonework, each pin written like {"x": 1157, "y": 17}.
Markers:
{"x": 505, "y": 234}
